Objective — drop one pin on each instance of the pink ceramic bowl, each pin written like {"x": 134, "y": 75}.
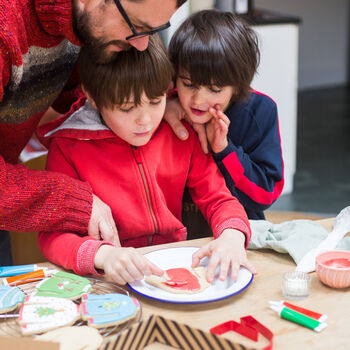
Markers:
{"x": 333, "y": 268}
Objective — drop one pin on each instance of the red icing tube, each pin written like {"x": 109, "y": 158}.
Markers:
{"x": 312, "y": 314}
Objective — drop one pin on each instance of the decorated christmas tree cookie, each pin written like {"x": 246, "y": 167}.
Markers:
{"x": 63, "y": 285}
{"x": 10, "y": 298}
{"x": 108, "y": 309}
{"x": 40, "y": 314}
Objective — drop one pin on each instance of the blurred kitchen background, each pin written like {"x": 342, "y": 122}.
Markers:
{"x": 305, "y": 68}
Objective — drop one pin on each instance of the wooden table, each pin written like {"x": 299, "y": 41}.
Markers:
{"x": 254, "y": 301}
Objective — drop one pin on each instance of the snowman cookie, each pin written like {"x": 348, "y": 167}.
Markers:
{"x": 181, "y": 280}
{"x": 40, "y": 314}
{"x": 10, "y": 298}
{"x": 108, "y": 309}
{"x": 63, "y": 285}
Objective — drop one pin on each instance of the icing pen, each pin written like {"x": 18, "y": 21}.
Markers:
{"x": 7, "y": 271}
{"x": 26, "y": 278}
{"x": 299, "y": 318}
{"x": 315, "y": 315}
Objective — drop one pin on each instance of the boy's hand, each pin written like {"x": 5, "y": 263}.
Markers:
{"x": 124, "y": 265}
{"x": 217, "y": 129}
{"x": 174, "y": 114}
{"x": 101, "y": 224}
{"x": 227, "y": 251}
{"x": 201, "y": 133}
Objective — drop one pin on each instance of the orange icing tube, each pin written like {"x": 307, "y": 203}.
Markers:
{"x": 25, "y": 278}
{"x": 180, "y": 278}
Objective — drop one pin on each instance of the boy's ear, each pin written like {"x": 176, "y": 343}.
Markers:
{"x": 89, "y": 98}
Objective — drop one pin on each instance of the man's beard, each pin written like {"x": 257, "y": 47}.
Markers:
{"x": 96, "y": 46}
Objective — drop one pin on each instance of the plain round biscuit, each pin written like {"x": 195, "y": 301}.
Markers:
{"x": 74, "y": 338}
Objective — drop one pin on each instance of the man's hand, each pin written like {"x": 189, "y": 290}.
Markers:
{"x": 101, "y": 224}
{"x": 174, "y": 114}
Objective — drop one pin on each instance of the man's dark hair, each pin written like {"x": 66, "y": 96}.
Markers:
{"x": 216, "y": 48}
{"x": 128, "y": 76}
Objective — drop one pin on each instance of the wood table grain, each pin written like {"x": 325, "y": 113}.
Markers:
{"x": 267, "y": 285}
{"x": 254, "y": 301}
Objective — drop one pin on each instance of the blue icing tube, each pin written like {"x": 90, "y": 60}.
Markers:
{"x": 108, "y": 308}
{"x": 8, "y": 271}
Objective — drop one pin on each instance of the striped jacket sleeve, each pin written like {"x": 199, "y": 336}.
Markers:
{"x": 253, "y": 166}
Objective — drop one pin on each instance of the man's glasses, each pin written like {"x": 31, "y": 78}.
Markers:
{"x": 135, "y": 34}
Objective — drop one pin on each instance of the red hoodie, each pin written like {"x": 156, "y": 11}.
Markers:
{"x": 142, "y": 185}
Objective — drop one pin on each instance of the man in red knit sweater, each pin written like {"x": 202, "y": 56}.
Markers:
{"x": 39, "y": 46}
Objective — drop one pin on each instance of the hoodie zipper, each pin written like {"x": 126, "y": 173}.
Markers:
{"x": 137, "y": 157}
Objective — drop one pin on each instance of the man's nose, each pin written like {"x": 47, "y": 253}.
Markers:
{"x": 140, "y": 43}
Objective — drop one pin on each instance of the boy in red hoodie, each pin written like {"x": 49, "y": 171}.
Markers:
{"x": 116, "y": 140}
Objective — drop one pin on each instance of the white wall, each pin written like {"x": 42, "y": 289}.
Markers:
{"x": 277, "y": 77}
{"x": 178, "y": 17}
{"x": 323, "y": 39}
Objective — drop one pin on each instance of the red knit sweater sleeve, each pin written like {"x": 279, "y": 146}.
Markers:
{"x": 66, "y": 248}
{"x": 33, "y": 200}
{"x": 208, "y": 190}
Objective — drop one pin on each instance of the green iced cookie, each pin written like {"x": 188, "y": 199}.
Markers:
{"x": 63, "y": 285}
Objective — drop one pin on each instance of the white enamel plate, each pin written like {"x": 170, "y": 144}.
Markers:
{"x": 182, "y": 257}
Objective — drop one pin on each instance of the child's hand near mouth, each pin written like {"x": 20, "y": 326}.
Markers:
{"x": 217, "y": 129}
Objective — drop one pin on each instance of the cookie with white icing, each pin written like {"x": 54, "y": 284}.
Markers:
{"x": 40, "y": 314}
{"x": 181, "y": 280}
{"x": 10, "y": 298}
{"x": 63, "y": 285}
{"x": 108, "y": 309}
{"x": 74, "y": 338}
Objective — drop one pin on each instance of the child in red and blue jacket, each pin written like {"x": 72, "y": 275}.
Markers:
{"x": 116, "y": 141}
{"x": 215, "y": 56}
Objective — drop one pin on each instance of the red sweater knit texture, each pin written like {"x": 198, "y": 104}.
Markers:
{"x": 38, "y": 54}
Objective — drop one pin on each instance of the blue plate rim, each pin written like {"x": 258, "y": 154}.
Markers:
{"x": 190, "y": 302}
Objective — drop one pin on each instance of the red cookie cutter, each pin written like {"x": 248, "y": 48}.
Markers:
{"x": 249, "y": 328}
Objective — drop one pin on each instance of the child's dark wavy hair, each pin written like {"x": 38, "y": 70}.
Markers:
{"x": 128, "y": 76}
{"x": 216, "y": 48}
